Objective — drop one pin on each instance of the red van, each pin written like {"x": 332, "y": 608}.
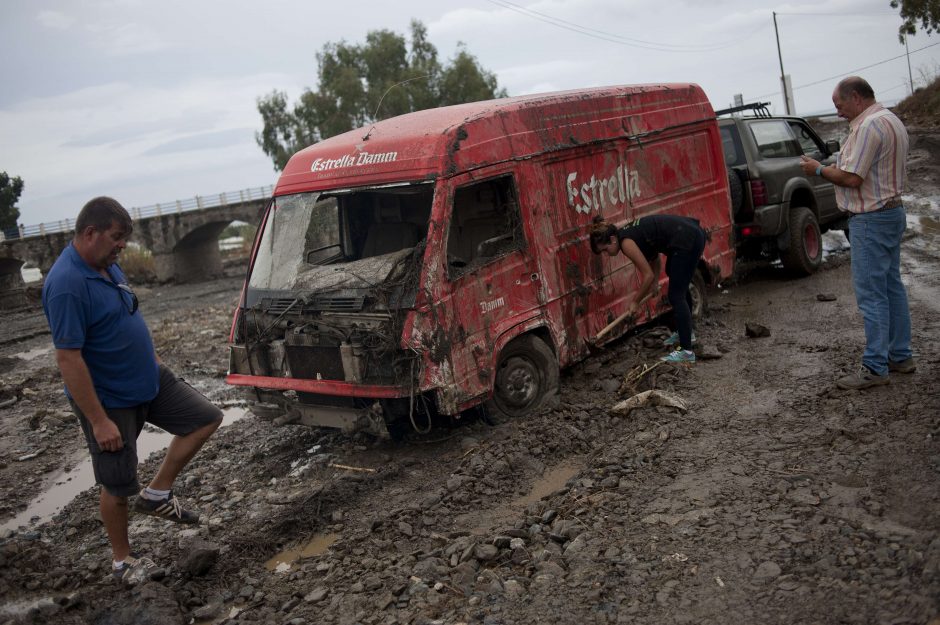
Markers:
{"x": 438, "y": 260}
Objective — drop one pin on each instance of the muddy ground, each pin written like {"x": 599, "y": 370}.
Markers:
{"x": 773, "y": 498}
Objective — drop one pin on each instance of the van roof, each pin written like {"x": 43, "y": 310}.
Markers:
{"x": 440, "y": 142}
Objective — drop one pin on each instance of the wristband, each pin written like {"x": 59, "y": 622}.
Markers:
{"x": 819, "y": 170}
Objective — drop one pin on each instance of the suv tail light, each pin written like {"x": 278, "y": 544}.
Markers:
{"x": 758, "y": 192}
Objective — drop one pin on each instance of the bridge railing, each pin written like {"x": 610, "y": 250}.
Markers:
{"x": 164, "y": 208}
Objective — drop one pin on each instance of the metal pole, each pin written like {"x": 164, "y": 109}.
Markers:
{"x": 909, "y": 74}
{"x": 783, "y": 81}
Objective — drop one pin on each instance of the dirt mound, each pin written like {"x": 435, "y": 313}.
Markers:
{"x": 922, "y": 108}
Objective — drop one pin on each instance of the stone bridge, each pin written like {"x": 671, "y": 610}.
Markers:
{"x": 183, "y": 238}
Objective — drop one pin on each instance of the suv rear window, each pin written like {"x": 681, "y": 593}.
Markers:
{"x": 731, "y": 146}
{"x": 774, "y": 140}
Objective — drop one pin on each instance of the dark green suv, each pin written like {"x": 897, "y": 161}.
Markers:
{"x": 777, "y": 208}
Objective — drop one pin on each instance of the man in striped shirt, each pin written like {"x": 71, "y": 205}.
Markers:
{"x": 869, "y": 178}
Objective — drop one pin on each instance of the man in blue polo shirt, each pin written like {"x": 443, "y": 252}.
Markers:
{"x": 114, "y": 380}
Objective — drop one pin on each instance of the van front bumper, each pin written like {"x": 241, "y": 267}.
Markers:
{"x": 324, "y": 387}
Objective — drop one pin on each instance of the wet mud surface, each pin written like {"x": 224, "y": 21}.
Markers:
{"x": 772, "y": 498}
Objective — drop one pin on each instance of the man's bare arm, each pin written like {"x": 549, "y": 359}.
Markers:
{"x": 78, "y": 381}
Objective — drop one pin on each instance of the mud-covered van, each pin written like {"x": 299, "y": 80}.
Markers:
{"x": 439, "y": 260}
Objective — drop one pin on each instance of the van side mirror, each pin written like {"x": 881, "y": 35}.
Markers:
{"x": 832, "y": 146}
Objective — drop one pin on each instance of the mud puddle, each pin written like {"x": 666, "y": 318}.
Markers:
{"x": 64, "y": 487}
{"x": 282, "y": 562}
{"x": 553, "y": 480}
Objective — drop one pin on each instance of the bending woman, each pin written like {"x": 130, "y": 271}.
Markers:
{"x": 681, "y": 240}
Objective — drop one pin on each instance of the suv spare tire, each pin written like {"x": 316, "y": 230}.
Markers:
{"x": 737, "y": 191}
{"x": 804, "y": 254}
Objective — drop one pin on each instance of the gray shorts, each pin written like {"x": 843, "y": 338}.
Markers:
{"x": 178, "y": 408}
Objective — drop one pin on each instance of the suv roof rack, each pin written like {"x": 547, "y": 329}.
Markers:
{"x": 760, "y": 109}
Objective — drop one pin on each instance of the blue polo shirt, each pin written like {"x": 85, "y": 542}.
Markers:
{"x": 88, "y": 312}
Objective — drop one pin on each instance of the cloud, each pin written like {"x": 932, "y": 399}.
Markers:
{"x": 55, "y": 20}
{"x": 117, "y": 134}
{"x": 128, "y": 39}
{"x": 204, "y": 141}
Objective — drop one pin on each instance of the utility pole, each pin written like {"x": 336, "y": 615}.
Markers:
{"x": 783, "y": 80}
{"x": 909, "y": 74}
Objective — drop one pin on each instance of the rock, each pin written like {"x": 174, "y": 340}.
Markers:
{"x": 317, "y": 594}
{"x": 513, "y": 588}
{"x": 485, "y": 553}
{"x": 406, "y": 529}
{"x": 708, "y": 352}
{"x": 576, "y": 546}
{"x": 767, "y": 570}
{"x": 755, "y": 330}
{"x": 208, "y": 611}
{"x": 826, "y": 297}
{"x": 198, "y": 557}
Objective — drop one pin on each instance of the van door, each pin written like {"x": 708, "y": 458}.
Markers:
{"x": 586, "y": 291}
{"x": 492, "y": 274}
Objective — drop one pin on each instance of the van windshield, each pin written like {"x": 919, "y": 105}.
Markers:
{"x": 307, "y": 231}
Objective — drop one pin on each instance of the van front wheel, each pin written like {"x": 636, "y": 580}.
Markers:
{"x": 526, "y": 379}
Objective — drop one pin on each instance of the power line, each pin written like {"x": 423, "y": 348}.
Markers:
{"x": 851, "y": 71}
{"x": 612, "y": 37}
{"x": 884, "y": 14}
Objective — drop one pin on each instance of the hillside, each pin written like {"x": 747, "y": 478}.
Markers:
{"x": 922, "y": 108}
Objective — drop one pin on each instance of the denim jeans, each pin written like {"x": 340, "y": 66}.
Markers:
{"x": 876, "y": 275}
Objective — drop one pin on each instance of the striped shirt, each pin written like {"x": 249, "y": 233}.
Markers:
{"x": 875, "y": 150}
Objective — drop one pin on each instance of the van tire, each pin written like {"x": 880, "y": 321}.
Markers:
{"x": 737, "y": 191}
{"x": 526, "y": 379}
{"x": 698, "y": 302}
{"x": 804, "y": 254}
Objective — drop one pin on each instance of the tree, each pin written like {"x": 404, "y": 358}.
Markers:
{"x": 10, "y": 190}
{"x": 927, "y": 12}
{"x": 363, "y": 83}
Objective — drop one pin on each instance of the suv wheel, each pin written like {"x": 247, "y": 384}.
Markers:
{"x": 804, "y": 255}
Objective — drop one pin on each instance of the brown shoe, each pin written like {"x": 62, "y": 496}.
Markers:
{"x": 905, "y": 366}
{"x": 864, "y": 378}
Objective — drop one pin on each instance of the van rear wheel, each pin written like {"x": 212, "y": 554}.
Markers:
{"x": 804, "y": 254}
{"x": 698, "y": 303}
{"x": 526, "y": 379}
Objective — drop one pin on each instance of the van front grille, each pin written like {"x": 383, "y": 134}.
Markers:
{"x": 320, "y": 303}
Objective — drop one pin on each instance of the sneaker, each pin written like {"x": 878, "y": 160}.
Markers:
{"x": 135, "y": 570}
{"x": 674, "y": 340}
{"x": 864, "y": 378}
{"x": 680, "y": 355}
{"x": 170, "y": 509}
{"x": 904, "y": 366}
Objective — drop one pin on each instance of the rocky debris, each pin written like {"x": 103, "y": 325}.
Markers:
{"x": 766, "y": 500}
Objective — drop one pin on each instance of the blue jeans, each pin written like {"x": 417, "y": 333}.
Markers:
{"x": 876, "y": 275}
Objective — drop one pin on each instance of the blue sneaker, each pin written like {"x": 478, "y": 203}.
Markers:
{"x": 680, "y": 355}
{"x": 674, "y": 340}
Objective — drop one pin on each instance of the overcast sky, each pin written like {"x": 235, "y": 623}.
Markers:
{"x": 156, "y": 101}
